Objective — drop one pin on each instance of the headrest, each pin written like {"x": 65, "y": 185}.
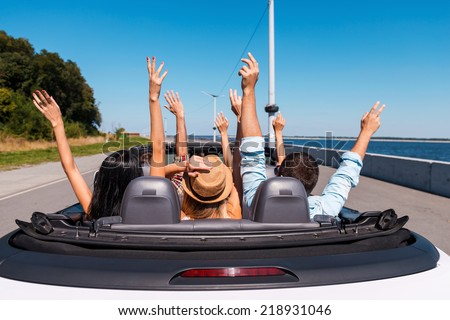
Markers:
{"x": 281, "y": 200}
{"x": 150, "y": 200}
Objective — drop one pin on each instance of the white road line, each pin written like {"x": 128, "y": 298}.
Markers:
{"x": 42, "y": 186}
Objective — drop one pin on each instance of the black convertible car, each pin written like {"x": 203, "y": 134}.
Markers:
{"x": 275, "y": 251}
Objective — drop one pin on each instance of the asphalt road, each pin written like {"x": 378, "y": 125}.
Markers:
{"x": 429, "y": 215}
{"x": 42, "y": 188}
{"x": 45, "y": 188}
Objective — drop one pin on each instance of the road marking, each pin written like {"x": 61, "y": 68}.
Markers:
{"x": 42, "y": 186}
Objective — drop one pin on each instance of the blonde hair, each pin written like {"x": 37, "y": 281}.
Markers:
{"x": 199, "y": 210}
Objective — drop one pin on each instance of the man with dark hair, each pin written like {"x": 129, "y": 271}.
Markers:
{"x": 333, "y": 197}
{"x": 301, "y": 166}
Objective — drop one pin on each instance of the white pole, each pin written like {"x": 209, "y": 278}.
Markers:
{"x": 271, "y": 54}
{"x": 271, "y": 107}
{"x": 214, "y": 96}
{"x": 214, "y": 118}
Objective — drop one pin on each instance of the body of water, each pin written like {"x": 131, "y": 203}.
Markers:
{"x": 430, "y": 150}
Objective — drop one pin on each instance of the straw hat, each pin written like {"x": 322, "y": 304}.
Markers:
{"x": 212, "y": 186}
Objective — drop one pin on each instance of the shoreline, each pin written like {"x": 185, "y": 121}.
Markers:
{"x": 381, "y": 139}
{"x": 373, "y": 139}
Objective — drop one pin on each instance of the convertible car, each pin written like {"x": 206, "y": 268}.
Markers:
{"x": 274, "y": 252}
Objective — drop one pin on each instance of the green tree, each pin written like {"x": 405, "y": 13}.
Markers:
{"x": 74, "y": 130}
{"x": 22, "y": 71}
{"x": 63, "y": 80}
{"x": 26, "y": 121}
{"x": 7, "y": 105}
{"x": 15, "y": 62}
{"x": 119, "y": 132}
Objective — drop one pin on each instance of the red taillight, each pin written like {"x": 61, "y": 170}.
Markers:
{"x": 232, "y": 272}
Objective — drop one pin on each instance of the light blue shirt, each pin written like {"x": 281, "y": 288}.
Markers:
{"x": 253, "y": 166}
{"x": 333, "y": 197}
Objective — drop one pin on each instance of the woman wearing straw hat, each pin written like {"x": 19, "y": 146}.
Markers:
{"x": 210, "y": 194}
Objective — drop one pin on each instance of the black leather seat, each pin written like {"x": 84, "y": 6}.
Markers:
{"x": 150, "y": 200}
{"x": 281, "y": 200}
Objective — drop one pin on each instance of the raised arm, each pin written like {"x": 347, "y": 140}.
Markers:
{"x": 370, "y": 123}
{"x": 249, "y": 119}
{"x": 253, "y": 162}
{"x": 221, "y": 123}
{"x": 278, "y": 125}
{"x": 191, "y": 167}
{"x": 346, "y": 176}
{"x": 236, "y": 104}
{"x": 50, "y": 109}
{"x": 177, "y": 109}
{"x": 156, "y": 121}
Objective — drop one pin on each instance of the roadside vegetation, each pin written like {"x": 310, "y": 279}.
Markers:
{"x": 22, "y": 71}
{"x": 37, "y": 152}
{"x": 26, "y": 137}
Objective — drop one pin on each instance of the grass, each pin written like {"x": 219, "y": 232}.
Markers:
{"x": 15, "y": 159}
{"x": 12, "y": 144}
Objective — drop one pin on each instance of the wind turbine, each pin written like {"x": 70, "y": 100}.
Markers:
{"x": 214, "y": 96}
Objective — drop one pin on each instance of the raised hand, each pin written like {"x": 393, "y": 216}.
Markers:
{"x": 221, "y": 123}
{"x": 48, "y": 107}
{"x": 278, "y": 123}
{"x": 197, "y": 165}
{"x": 249, "y": 118}
{"x": 236, "y": 103}
{"x": 249, "y": 73}
{"x": 155, "y": 77}
{"x": 175, "y": 104}
{"x": 370, "y": 121}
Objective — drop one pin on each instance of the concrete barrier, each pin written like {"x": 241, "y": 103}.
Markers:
{"x": 420, "y": 174}
{"x": 440, "y": 178}
{"x": 408, "y": 172}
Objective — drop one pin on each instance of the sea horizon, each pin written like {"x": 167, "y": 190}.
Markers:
{"x": 418, "y": 148}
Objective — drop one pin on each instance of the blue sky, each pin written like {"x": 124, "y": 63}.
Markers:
{"x": 334, "y": 59}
